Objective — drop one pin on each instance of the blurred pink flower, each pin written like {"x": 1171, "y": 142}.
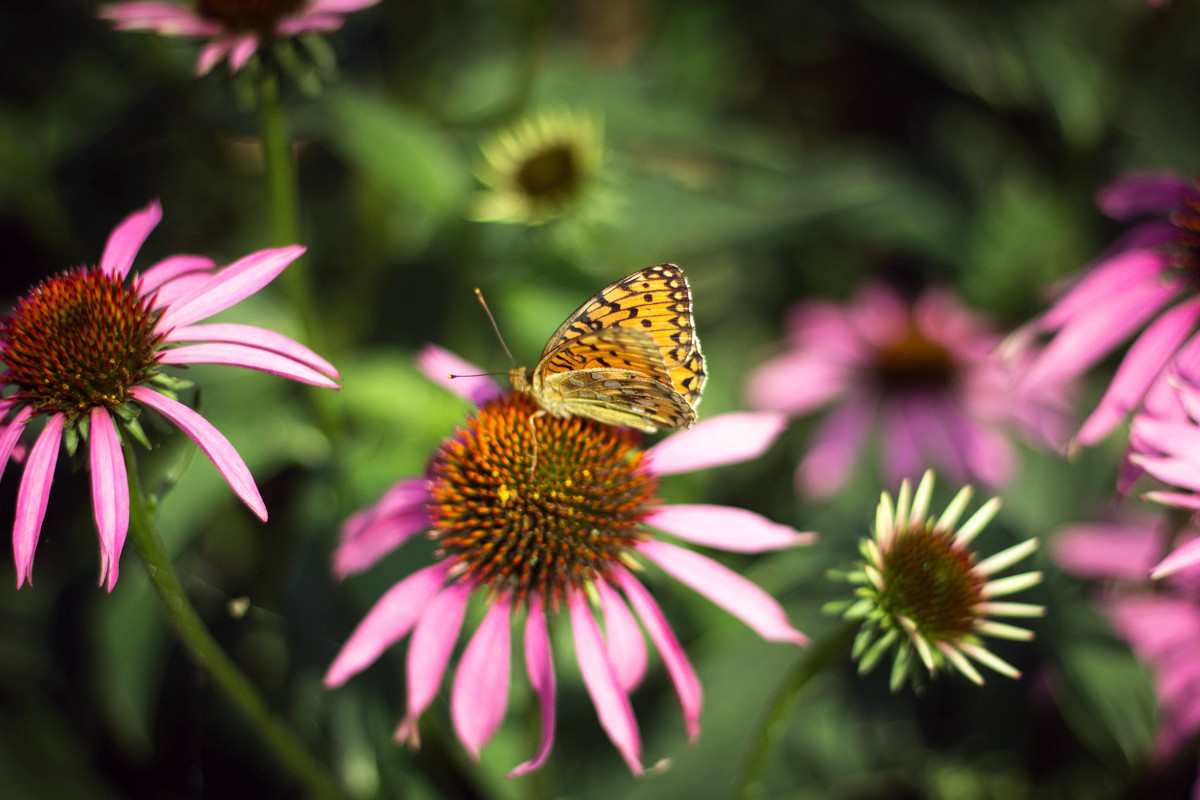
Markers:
{"x": 926, "y": 374}
{"x": 84, "y": 349}
{"x": 533, "y": 514}
{"x": 233, "y": 28}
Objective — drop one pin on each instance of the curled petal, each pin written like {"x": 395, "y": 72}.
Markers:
{"x": 734, "y": 529}
{"x": 110, "y": 492}
{"x": 540, "y": 665}
{"x": 723, "y": 439}
{"x": 33, "y": 494}
{"x": 236, "y": 355}
{"x": 231, "y": 285}
{"x": 480, "y": 695}
{"x": 127, "y": 238}
{"x": 439, "y": 364}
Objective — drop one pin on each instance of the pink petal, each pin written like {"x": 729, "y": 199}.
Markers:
{"x": 127, "y": 238}
{"x": 438, "y": 364}
{"x": 211, "y": 55}
{"x": 170, "y": 269}
{"x": 1144, "y": 193}
{"x": 309, "y": 23}
{"x": 369, "y": 535}
{"x": 724, "y": 439}
{"x": 626, "y": 645}
{"x": 218, "y": 449}
{"x": 11, "y": 433}
{"x": 429, "y": 651}
{"x": 539, "y": 663}
{"x": 236, "y": 355}
{"x": 386, "y": 623}
{"x": 243, "y": 48}
{"x": 1107, "y": 280}
{"x": 339, "y": 6}
{"x": 181, "y": 286}
{"x": 480, "y": 695}
{"x": 168, "y": 19}
{"x": 901, "y": 444}
{"x": 834, "y": 448}
{"x": 612, "y": 704}
{"x": 687, "y": 684}
{"x": 33, "y": 494}
{"x": 1108, "y": 550}
{"x": 231, "y": 285}
{"x": 797, "y": 382}
{"x": 726, "y": 588}
{"x": 253, "y": 337}
{"x": 733, "y": 529}
{"x": 110, "y": 492}
{"x": 1183, "y": 557}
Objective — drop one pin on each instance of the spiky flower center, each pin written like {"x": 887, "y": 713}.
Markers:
{"x": 527, "y": 503}
{"x": 932, "y": 583}
{"x": 551, "y": 173}
{"x": 1186, "y": 253}
{"x": 258, "y": 15}
{"x": 914, "y": 361}
{"x": 78, "y": 340}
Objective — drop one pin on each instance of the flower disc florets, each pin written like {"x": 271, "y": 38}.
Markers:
{"x": 914, "y": 361}
{"x": 932, "y": 583}
{"x": 79, "y": 340}
{"x": 248, "y": 14}
{"x": 528, "y": 503}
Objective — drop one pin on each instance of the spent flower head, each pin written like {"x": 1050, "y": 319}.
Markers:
{"x": 924, "y": 593}
{"x": 84, "y": 353}
{"x": 540, "y": 515}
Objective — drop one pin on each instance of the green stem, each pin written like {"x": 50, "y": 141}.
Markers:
{"x": 834, "y": 646}
{"x": 283, "y": 743}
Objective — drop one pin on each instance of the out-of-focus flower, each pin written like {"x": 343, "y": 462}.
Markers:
{"x": 1147, "y": 276}
{"x": 84, "y": 350}
{"x": 539, "y": 515}
{"x": 541, "y": 168}
{"x": 925, "y": 374}
{"x": 923, "y": 591}
{"x": 236, "y": 29}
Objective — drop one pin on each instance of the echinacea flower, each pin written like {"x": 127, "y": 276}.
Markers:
{"x": 84, "y": 351}
{"x": 540, "y": 515}
{"x": 540, "y": 168}
{"x": 234, "y": 28}
{"x": 924, "y": 592}
{"x": 1147, "y": 278}
{"x": 925, "y": 374}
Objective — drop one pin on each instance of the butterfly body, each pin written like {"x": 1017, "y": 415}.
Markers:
{"x": 628, "y": 356}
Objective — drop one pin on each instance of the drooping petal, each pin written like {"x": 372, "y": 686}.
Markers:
{"x": 369, "y": 535}
{"x": 338, "y": 6}
{"x": 386, "y": 623}
{"x": 110, "y": 492}
{"x": 429, "y": 651}
{"x": 236, "y": 355}
{"x": 612, "y": 704}
{"x": 251, "y": 336}
{"x": 724, "y": 439}
{"x": 243, "y": 48}
{"x": 1183, "y": 557}
{"x": 480, "y": 695}
{"x": 835, "y": 445}
{"x": 626, "y": 645}
{"x": 1108, "y": 279}
{"x": 726, "y": 588}
{"x": 210, "y": 440}
{"x": 687, "y": 684}
{"x": 171, "y": 268}
{"x": 231, "y": 285}
{"x": 11, "y": 433}
{"x": 33, "y": 494}
{"x": 1108, "y": 549}
{"x": 211, "y": 55}
{"x": 734, "y": 529}
{"x": 1144, "y": 193}
{"x": 539, "y": 663}
{"x": 127, "y": 238}
{"x": 439, "y": 364}
{"x": 166, "y": 18}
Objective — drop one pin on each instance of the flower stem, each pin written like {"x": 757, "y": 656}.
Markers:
{"x": 284, "y": 744}
{"x": 830, "y": 648}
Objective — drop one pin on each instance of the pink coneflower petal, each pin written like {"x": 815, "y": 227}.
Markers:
{"x": 309, "y": 23}
{"x": 211, "y": 55}
{"x": 1108, "y": 550}
{"x": 169, "y": 19}
{"x": 33, "y": 494}
{"x": 539, "y": 663}
{"x": 211, "y": 441}
{"x": 236, "y": 355}
{"x": 1183, "y": 558}
{"x": 371, "y": 534}
{"x": 687, "y": 684}
{"x": 626, "y": 645}
{"x": 252, "y": 336}
{"x": 243, "y": 48}
{"x": 236, "y": 282}
{"x": 900, "y": 443}
{"x": 429, "y": 651}
{"x": 439, "y": 364}
{"x": 110, "y": 492}
{"x": 1145, "y": 193}
{"x": 127, "y": 238}
{"x": 480, "y": 694}
{"x": 796, "y": 383}
{"x": 835, "y": 446}
{"x": 726, "y": 588}
{"x": 724, "y": 439}
{"x": 985, "y": 451}
{"x": 1109, "y": 279}
{"x": 386, "y": 623}
{"x": 612, "y": 704}
{"x": 172, "y": 268}
{"x": 733, "y": 529}
{"x": 11, "y": 433}
{"x": 1154, "y": 625}
{"x": 339, "y": 6}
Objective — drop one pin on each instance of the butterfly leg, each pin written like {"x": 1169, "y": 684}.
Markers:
{"x": 533, "y": 430}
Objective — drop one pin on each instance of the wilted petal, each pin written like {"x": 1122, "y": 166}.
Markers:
{"x": 626, "y": 645}
{"x": 439, "y": 364}
{"x": 236, "y": 282}
{"x": 236, "y": 355}
{"x": 110, "y": 492}
{"x": 734, "y": 529}
{"x": 251, "y": 336}
{"x": 480, "y": 695}
{"x": 724, "y": 439}
{"x": 540, "y": 665}
{"x": 127, "y": 238}
{"x": 33, "y": 494}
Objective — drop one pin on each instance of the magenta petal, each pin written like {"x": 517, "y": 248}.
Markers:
{"x": 369, "y": 535}
{"x": 835, "y": 445}
{"x": 166, "y": 18}
{"x": 127, "y": 238}
{"x": 338, "y": 6}
{"x": 429, "y": 651}
{"x": 687, "y": 685}
{"x": 734, "y": 529}
{"x": 33, "y": 494}
{"x": 626, "y": 644}
{"x": 612, "y": 704}
{"x": 243, "y": 48}
{"x": 386, "y": 623}
{"x": 211, "y": 55}
{"x": 11, "y": 433}
{"x": 211, "y": 441}
{"x": 236, "y": 355}
{"x": 236, "y": 282}
{"x": 1108, "y": 550}
{"x": 480, "y": 694}
{"x": 253, "y": 337}
{"x": 539, "y": 663}
{"x": 726, "y": 588}
{"x": 110, "y": 492}
{"x": 439, "y": 364}
{"x": 724, "y": 439}
{"x": 797, "y": 382}
{"x": 1144, "y": 193}
{"x": 1110, "y": 277}
{"x": 170, "y": 269}
{"x": 1183, "y": 557}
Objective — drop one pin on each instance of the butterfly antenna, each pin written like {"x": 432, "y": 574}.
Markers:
{"x": 495, "y": 327}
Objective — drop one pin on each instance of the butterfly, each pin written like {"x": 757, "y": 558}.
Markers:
{"x": 628, "y": 356}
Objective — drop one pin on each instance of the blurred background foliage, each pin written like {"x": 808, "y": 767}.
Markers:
{"x": 777, "y": 150}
